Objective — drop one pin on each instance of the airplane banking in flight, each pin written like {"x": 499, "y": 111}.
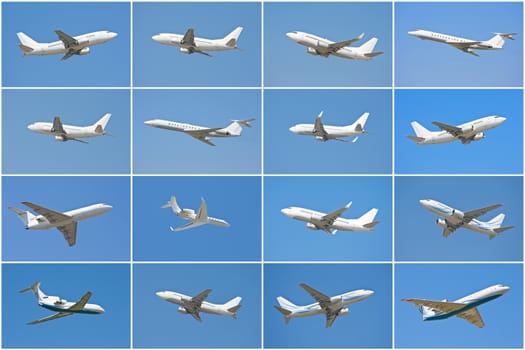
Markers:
{"x": 465, "y": 308}
{"x": 60, "y": 306}
{"x": 328, "y": 132}
{"x": 332, "y": 222}
{"x": 330, "y": 306}
{"x": 465, "y": 45}
{"x": 189, "y": 44}
{"x": 201, "y": 218}
{"x": 454, "y": 219}
{"x": 466, "y": 133}
{"x": 70, "y": 132}
{"x": 194, "y": 305}
{"x": 67, "y": 45}
{"x": 64, "y": 222}
{"x": 318, "y": 46}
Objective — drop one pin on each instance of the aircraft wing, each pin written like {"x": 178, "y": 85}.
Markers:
{"x": 202, "y": 214}
{"x": 442, "y": 306}
{"x": 330, "y": 318}
{"x": 202, "y": 134}
{"x": 66, "y": 39}
{"x": 70, "y": 233}
{"x": 189, "y": 38}
{"x": 463, "y": 45}
{"x": 57, "y": 126}
{"x": 51, "y": 215}
{"x": 473, "y": 317}
{"x": 322, "y": 299}
{"x": 52, "y": 317}
{"x": 319, "y": 128}
{"x": 334, "y": 47}
{"x": 455, "y": 131}
{"x": 199, "y": 298}
{"x": 328, "y": 219}
{"x": 193, "y": 306}
{"x": 79, "y": 305}
{"x": 184, "y": 227}
{"x": 448, "y": 230}
{"x": 472, "y": 214}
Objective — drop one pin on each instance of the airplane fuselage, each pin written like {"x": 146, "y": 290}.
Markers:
{"x": 315, "y": 218}
{"x": 84, "y": 41}
{"x": 332, "y": 131}
{"x": 71, "y": 130}
{"x": 448, "y": 39}
{"x": 57, "y": 304}
{"x": 179, "y": 299}
{"x": 39, "y": 222}
{"x": 201, "y": 43}
{"x": 184, "y": 127}
{"x": 312, "y": 42}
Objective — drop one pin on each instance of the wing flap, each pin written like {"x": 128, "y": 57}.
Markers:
{"x": 473, "y": 316}
{"x": 79, "y": 305}
{"x": 70, "y": 233}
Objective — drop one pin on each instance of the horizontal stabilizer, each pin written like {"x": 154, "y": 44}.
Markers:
{"x": 25, "y": 48}
{"x": 371, "y": 224}
{"x": 502, "y": 229}
{"x": 373, "y": 54}
{"x": 416, "y": 138}
{"x": 282, "y": 310}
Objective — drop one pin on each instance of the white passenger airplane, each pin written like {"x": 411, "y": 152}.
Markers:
{"x": 328, "y": 132}
{"x": 465, "y": 308}
{"x": 454, "y": 219}
{"x": 202, "y": 133}
{"x": 194, "y": 305}
{"x": 330, "y": 306}
{"x": 64, "y": 132}
{"x": 64, "y": 222}
{"x": 189, "y": 44}
{"x": 67, "y": 45}
{"x": 466, "y": 133}
{"x": 60, "y": 306}
{"x": 465, "y": 45}
{"x": 318, "y": 46}
{"x": 201, "y": 218}
{"x": 331, "y": 223}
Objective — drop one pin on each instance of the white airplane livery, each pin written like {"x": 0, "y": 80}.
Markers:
{"x": 195, "y": 305}
{"x": 465, "y": 308}
{"x": 67, "y": 45}
{"x": 63, "y": 132}
{"x": 465, "y": 45}
{"x": 466, "y": 133}
{"x": 332, "y": 222}
{"x": 330, "y": 306}
{"x": 65, "y": 222}
{"x": 318, "y": 46}
{"x": 328, "y": 132}
{"x": 454, "y": 219}
{"x": 197, "y": 219}
{"x": 61, "y": 306}
{"x": 189, "y": 44}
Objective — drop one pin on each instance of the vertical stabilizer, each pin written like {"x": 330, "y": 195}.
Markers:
{"x": 497, "y": 220}
{"x": 498, "y": 40}
{"x": 24, "y": 216}
{"x": 233, "y": 306}
{"x": 420, "y": 130}
{"x": 100, "y": 125}
{"x": 235, "y": 128}
{"x": 173, "y": 205}
{"x": 367, "y": 219}
{"x": 35, "y": 288}
{"x": 231, "y": 39}
{"x": 368, "y": 46}
{"x": 359, "y": 124}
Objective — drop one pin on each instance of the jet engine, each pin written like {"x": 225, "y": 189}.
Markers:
{"x": 343, "y": 312}
{"x": 442, "y": 223}
{"x": 312, "y": 51}
{"x": 457, "y": 214}
{"x": 84, "y": 51}
{"x": 478, "y": 136}
{"x": 186, "y": 51}
{"x": 311, "y": 226}
{"x": 320, "y": 138}
{"x": 182, "y": 310}
{"x": 60, "y": 138}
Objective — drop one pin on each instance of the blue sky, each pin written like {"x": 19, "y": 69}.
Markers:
{"x": 234, "y": 199}
{"x": 286, "y": 63}
{"x": 161, "y": 151}
{"x": 70, "y": 282}
{"x": 158, "y": 324}
{"x": 369, "y": 324}
{"x": 163, "y": 65}
{"x": 107, "y": 64}
{"x": 286, "y": 152}
{"x": 503, "y": 317}
{"x": 427, "y": 63}
{"x": 455, "y": 107}
{"x": 416, "y": 229}
{"x": 289, "y": 239}
{"x": 105, "y": 237}
{"x": 107, "y": 154}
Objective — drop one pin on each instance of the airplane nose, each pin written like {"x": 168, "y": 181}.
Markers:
{"x": 149, "y": 122}
{"x": 101, "y": 310}
{"x": 291, "y": 35}
{"x": 286, "y": 211}
{"x": 113, "y": 35}
{"x": 424, "y": 202}
{"x": 31, "y": 127}
{"x": 156, "y": 37}
{"x": 414, "y": 32}
{"x": 292, "y": 129}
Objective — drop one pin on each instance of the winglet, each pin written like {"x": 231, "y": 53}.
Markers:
{"x": 348, "y": 205}
{"x": 320, "y": 114}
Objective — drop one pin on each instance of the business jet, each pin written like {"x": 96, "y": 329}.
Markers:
{"x": 454, "y": 219}
{"x": 466, "y": 133}
{"x": 318, "y": 46}
{"x": 61, "y": 306}
{"x": 330, "y": 306}
{"x": 201, "y": 218}
{"x": 65, "y": 222}
{"x": 465, "y": 308}
{"x": 189, "y": 44}
{"x": 465, "y": 45}
{"x": 202, "y": 133}
{"x": 67, "y": 45}
{"x": 328, "y": 132}
{"x": 331, "y": 223}
{"x": 194, "y": 305}
{"x": 64, "y": 132}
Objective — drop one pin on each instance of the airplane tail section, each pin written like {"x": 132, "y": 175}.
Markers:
{"x": 425, "y": 311}
{"x": 233, "y": 306}
{"x": 231, "y": 39}
{"x": 100, "y": 125}
{"x": 367, "y": 48}
{"x": 498, "y": 40}
{"x": 24, "y": 216}
{"x": 285, "y": 308}
{"x": 367, "y": 219}
{"x": 173, "y": 205}
{"x": 497, "y": 220}
{"x": 359, "y": 124}
{"x": 421, "y": 132}
{"x": 27, "y": 45}
{"x": 235, "y": 128}
{"x": 35, "y": 288}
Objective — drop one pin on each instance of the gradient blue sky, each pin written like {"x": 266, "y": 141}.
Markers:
{"x": 159, "y": 324}
{"x": 368, "y": 325}
{"x": 289, "y": 239}
{"x": 105, "y": 237}
{"x": 426, "y": 63}
{"x": 109, "y": 283}
{"x": 234, "y": 199}
{"x": 286, "y": 63}
{"x": 163, "y": 65}
{"x": 286, "y": 152}
{"x": 455, "y": 107}
{"x": 416, "y": 228}
{"x": 107, "y": 64}
{"x": 107, "y": 154}
{"x": 161, "y": 151}
{"x": 503, "y": 317}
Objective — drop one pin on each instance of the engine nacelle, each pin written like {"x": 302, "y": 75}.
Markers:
{"x": 442, "y": 223}
{"x": 311, "y": 226}
{"x": 321, "y": 44}
{"x": 457, "y": 214}
{"x": 320, "y": 138}
{"x": 186, "y": 51}
{"x": 60, "y": 138}
{"x": 445, "y": 300}
{"x": 478, "y": 136}
{"x": 84, "y": 51}
{"x": 343, "y": 312}
{"x": 182, "y": 310}
{"x": 312, "y": 51}
{"x": 187, "y": 212}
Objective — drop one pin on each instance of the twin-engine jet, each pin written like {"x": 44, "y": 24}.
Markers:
{"x": 465, "y": 45}
{"x": 195, "y": 305}
{"x": 62, "y": 307}
{"x": 330, "y": 306}
{"x": 465, "y": 308}
{"x": 328, "y": 132}
{"x": 189, "y": 44}
{"x": 197, "y": 219}
{"x": 67, "y": 45}
{"x": 63, "y": 132}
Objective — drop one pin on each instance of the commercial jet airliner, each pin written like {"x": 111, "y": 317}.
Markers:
{"x": 328, "y": 132}
{"x": 198, "y": 219}
{"x": 63, "y": 132}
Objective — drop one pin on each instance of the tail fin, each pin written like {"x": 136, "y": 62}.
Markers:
{"x": 231, "y": 39}
{"x": 359, "y": 124}
{"x": 367, "y": 219}
{"x": 100, "y": 125}
{"x": 26, "y": 43}
{"x": 498, "y": 40}
{"x": 285, "y": 307}
{"x": 235, "y": 128}
{"x": 233, "y": 306}
{"x": 497, "y": 220}
{"x": 35, "y": 288}
{"x": 425, "y": 311}
{"x": 23, "y": 215}
{"x": 173, "y": 204}
{"x": 420, "y": 130}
